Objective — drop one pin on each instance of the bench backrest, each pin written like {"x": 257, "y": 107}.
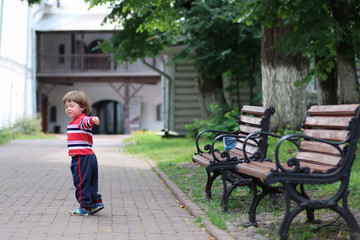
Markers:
{"x": 253, "y": 119}
{"x": 337, "y": 123}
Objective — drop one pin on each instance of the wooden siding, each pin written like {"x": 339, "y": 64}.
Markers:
{"x": 186, "y": 100}
{"x": 186, "y": 97}
{"x": 244, "y": 94}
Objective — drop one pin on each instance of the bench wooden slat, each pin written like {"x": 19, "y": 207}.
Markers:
{"x": 249, "y": 148}
{"x": 316, "y": 167}
{"x": 249, "y": 142}
{"x": 318, "y": 158}
{"x": 254, "y": 170}
{"x": 261, "y": 169}
{"x": 251, "y": 120}
{"x": 333, "y": 110}
{"x": 327, "y": 122}
{"x": 319, "y": 147}
{"x": 205, "y": 158}
{"x": 331, "y": 135}
{"x": 236, "y": 153}
{"x": 201, "y": 159}
{"x": 253, "y": 110}
{"x": 248, "y": 129}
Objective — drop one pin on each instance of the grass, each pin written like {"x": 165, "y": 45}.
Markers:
{"x": 173, "y": 157}
{"x": 4, "y": 138}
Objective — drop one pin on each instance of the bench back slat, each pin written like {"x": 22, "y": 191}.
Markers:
{"x": 245, "y": 129}
{"x": 260, "y": 111}
{"x": 333, "y": 110}
{"x": 330, "y": 135}
{"x": 330, "y": 123}
{"x": 319, "y": 147}
{"x": 249, "y": 148}
{"x": 246, "y": 119}
{"x": 253, "y": 119}
{"x": 318, "y": 158}
{"x": 326, "y": 122}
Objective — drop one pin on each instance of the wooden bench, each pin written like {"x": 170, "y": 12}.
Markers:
{"x": 252, "y": 119}
{"x": 325, "y": 154}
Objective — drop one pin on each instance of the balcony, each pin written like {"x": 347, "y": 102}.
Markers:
{"x": 77, "y": 65}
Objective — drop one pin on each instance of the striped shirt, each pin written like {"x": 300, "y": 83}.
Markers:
{"x": 79, "y": 136}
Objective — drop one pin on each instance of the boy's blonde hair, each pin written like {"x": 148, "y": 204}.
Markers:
{"x": 80, "y": 98}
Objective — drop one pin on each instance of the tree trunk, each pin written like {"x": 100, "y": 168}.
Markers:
{"x": 346, "y": 66}
{"x": 327, "y": 90}
{"x": 210, "y": 90}
{"x": 279, "y": 73}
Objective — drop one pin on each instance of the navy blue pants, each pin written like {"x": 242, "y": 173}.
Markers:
{"x": 84, "y": 169}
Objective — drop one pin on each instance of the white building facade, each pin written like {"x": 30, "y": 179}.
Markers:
{"x": 47, "y": 50}
{"x": 17, "y": 73}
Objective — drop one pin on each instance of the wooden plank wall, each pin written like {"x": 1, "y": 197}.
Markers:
{"x": 186, "y": 97}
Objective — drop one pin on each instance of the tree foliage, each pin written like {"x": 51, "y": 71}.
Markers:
{"x": 221, "y": 44}
{"x": 215, "y": 43}
{"x": 32, "y": 2}
{"x": 317, "y": 32}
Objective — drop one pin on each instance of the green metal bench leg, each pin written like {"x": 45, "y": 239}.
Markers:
{"x": 285, "y": 224}
{"x": 256, "y": 198}
{"x": 209, "y": 182}
{"x": 234, "y": 184}
{"x": 348, "y": 216}
{"x": 288, "y": 217}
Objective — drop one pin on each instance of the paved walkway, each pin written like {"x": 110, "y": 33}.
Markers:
{"x": 36, "y": 195}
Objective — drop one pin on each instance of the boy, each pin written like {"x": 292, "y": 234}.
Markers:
{"x": 84, "y": 166}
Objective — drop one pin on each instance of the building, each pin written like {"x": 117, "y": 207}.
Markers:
{"x": 52, "y": 51}
{"x": 17, "y": 70}
{"x": 126, "y": 97}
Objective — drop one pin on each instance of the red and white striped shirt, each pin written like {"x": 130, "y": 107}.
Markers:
{"x": 79, "y": 136}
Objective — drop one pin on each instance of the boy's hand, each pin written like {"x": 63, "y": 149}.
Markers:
{"x": 95, "y": 120}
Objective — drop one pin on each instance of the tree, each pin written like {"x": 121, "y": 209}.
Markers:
{"x": 325, "y": 30}
{"x": 345, "y": 53}
{"x": 219, "y": 47}
{"x": 322, "y": 30}
{"x": 279, "y": 70}
{"x": 279, "y": 74}
{"x": 152, "y": 25}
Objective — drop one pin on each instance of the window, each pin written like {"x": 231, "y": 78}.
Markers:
{"x": 61, "y": 53}
{"x": 53, "y": 114}
{"x": 159, "y": 113}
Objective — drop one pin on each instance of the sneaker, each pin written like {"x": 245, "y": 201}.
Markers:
{"x": 96, "y": 207}
{"x": 80, "y": 212}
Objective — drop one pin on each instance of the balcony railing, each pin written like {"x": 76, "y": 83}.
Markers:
{"x": 82, "y": 63}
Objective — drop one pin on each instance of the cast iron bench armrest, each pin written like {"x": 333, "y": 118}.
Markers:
{"x": 258, "y": 155}
{"x": 225, "y": 155}
{"x": 293, "y": 161}
{"x": 207, "y": 147}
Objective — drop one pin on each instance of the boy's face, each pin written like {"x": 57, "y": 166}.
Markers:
{"x": 72, "y": 109}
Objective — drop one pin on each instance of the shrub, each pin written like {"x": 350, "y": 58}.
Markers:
{"x": 220, "y": 119}
{"x": 6, "y": 134}
{"x": 22, "y": 126}
{"x": 27, "y": 125}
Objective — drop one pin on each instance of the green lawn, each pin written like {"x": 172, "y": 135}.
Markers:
{"x": 173, "y": 157}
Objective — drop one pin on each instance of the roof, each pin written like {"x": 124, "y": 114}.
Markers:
{"x": 73, "y": 22}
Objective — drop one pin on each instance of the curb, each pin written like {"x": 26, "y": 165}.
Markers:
{"x": 193, "y": 209}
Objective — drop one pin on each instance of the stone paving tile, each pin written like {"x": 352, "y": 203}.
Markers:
{"x": 36, "y": 196}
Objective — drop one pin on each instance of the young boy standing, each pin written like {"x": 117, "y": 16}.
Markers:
{"x": 84, "y": 165}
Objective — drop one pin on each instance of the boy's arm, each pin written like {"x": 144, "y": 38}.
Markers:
{"x": 88, "y": 122}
